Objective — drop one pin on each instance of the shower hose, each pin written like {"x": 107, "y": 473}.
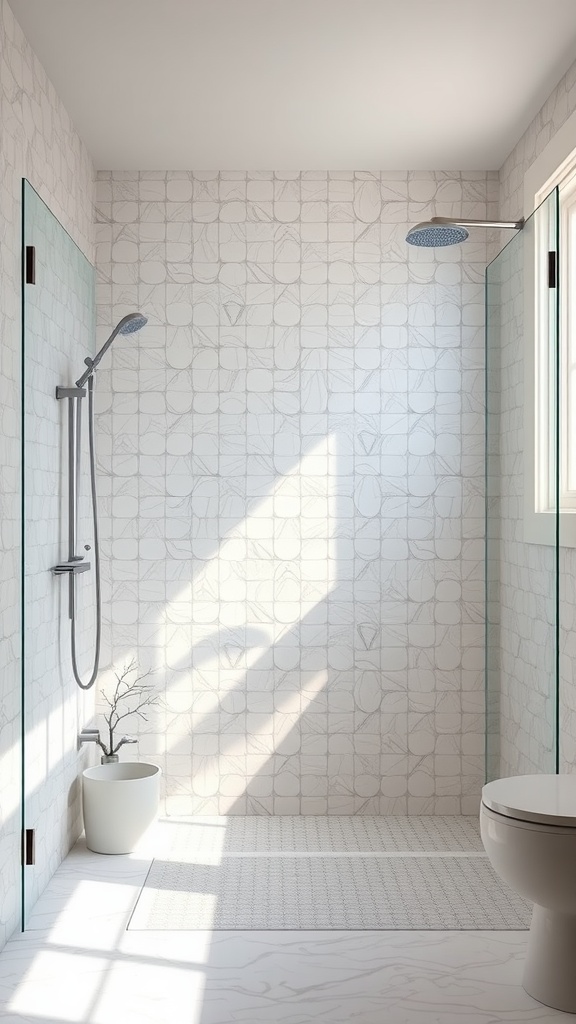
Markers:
{"x": 91, "y": 446}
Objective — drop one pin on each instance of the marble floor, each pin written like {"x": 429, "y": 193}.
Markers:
{"x": 78, "y": 963}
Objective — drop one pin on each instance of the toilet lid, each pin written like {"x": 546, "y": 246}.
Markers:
{"x": 547, "y": 799}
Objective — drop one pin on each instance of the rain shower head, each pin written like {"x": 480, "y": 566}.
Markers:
{"x": 445, "y": 231}
{"x": 127, "y": 325}
{"x": 428, "y": 234}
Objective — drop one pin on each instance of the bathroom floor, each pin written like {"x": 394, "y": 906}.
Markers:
{"x": 78, "y": 962}
{"x": 307, "y": 873}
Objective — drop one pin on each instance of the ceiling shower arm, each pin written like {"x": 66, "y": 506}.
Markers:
{"x": 512, "y": 225}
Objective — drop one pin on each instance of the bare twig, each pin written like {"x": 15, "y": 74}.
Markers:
{"x": 139, "y": 691}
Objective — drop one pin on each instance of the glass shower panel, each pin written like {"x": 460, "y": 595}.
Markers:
{"x": 58, "y": 332}
{"x": 522, "y": 523}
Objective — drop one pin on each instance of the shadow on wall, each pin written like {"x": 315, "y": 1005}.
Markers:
{"x": 344, "y": 693}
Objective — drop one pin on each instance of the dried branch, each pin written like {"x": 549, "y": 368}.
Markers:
{"x": 138, "y": 690}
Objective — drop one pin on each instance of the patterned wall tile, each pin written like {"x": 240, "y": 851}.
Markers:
{"x": 59, "y": 318}
{"x": 291, "y": 466}
{"x": 38, "y": 142}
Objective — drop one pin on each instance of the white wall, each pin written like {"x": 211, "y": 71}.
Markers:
{"x": 38, "y": 142}
{"x": 291, "y": 460}
{"x": 59, "y": 331}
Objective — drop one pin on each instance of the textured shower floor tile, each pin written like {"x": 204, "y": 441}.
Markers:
{"x": 328, "y": 892}
{"x": 364, "y": 833}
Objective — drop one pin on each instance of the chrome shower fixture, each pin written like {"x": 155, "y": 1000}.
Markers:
{"x": 451, "y": 231}
{"x": 76, "y": 564}
{"x": 128, "y": 325}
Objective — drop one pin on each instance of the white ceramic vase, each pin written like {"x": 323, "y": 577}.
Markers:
{"x": 119, "y": 801}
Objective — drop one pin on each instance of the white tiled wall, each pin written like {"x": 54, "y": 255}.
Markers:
{"x": 59, "y": 330}
{"x": 39, "y": 142}
{"x": 291, "y": 460}
{"x": 528, "y": 570}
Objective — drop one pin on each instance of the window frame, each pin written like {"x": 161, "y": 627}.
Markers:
{"x": 567, "y": 340}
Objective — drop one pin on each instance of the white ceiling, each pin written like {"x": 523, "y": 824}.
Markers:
{"x": 234, "y": 84}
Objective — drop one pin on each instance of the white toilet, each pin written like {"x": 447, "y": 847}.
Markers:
{"x": 528, "y": 827}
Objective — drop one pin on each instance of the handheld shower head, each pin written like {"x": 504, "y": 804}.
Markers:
{"x": 131, "y": 323}
{"x": 127, "y": 325}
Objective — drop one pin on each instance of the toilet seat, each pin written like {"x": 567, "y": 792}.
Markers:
{"x": 543, "y": 799}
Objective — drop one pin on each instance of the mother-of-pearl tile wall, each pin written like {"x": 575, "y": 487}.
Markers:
{"x": 528, "y": 570}
{"x": 291, "y": 468}
{"x": 40, "y": 143}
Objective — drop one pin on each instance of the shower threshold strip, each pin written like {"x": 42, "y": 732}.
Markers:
{"x": 346, "y": 853}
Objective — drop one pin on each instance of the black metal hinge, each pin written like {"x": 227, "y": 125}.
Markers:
{"x": 29, "y": 846}
{"x": 30, "y": 265}
{"x": 552, "y": 270}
